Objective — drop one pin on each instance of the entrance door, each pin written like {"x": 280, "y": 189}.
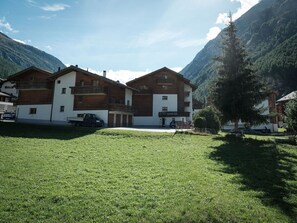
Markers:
{"x": 118, "y": 120}
{"x": 163, "y": 122}
{"x": 124, "y": 120}
{"x": 110, "y": 120}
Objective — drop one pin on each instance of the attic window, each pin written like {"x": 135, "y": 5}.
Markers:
{"x": 32, "y": 78}
{"x": 58, "y": 81}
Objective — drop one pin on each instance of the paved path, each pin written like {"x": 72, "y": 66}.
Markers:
{"x": 147, "y": 129}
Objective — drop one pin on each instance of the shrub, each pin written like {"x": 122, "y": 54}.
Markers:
{"x": 212, "y": 120}
{"x": 200, "y": 122}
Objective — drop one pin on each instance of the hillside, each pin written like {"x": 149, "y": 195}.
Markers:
{"x": 15, "y": 56}
{"x": 269, "y": 32}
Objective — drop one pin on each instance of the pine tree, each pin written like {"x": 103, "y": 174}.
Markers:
{"x": 238, "y": 89}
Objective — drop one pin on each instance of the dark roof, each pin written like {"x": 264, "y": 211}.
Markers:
{"x": 5, "y": 94}
{"x": 11, "y": 77}
{"x": 75, "y": 68}
{"x": 185, "y": 80}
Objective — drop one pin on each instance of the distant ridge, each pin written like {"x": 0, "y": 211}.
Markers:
{"x": 269, "y": 32}
{"x": 15, "y": 56}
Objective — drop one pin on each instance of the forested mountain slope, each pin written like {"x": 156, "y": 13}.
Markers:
{"x": 269, "y": 32}
{"x": 15, "y": 56}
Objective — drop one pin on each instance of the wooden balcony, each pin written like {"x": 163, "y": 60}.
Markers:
{"x": 32, "y": 85}
{"x": 165, "y": 82}
{"x": 88, "y": 90}
{"x": 120, "y": 107}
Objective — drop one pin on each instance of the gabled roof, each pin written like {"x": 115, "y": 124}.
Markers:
{"x": 77, "y": 69}
{"x": 3, "y": 94}
{"x": 32, "y": 68}
{"x": 288, "y": 97}
{"x": 186, "y": 81}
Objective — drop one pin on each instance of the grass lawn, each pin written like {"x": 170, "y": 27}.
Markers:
{"x": 60, "y": 174}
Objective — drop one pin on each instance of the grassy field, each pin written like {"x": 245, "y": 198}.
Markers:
{"x": 59, "y": 174}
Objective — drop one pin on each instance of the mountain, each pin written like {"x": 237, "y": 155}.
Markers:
{"x": 15, "y": 56}
{"x": 269, "y": 32}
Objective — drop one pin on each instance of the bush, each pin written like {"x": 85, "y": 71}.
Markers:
{"x": 212, "y": 120}
{"x": 200, "y": 122}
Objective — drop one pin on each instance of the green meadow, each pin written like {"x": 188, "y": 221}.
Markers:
{"x": 67, "y": 174}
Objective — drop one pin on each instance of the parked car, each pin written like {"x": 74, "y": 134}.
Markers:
{"x": 86, "y": 119}
{"x": 8, "y": 115}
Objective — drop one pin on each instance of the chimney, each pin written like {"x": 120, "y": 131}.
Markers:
{"x": 104, "y": 73}
{"x": 76, "y": 65}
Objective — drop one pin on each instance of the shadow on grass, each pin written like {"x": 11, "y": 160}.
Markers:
{"x": 262, "y": 167}
{"x": 8, "y": 129}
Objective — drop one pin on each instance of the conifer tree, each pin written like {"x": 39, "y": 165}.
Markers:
{"x": 238, "y": 89}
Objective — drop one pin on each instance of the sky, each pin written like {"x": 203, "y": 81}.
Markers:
{"x": 127, "y": 38}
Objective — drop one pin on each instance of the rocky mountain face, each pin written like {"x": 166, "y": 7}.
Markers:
{"x": 269, "y": 33}
{"x": 15, "y": 56}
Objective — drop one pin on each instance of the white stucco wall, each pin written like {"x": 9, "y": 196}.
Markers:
{"x": 263, "y": 105}
{"x": 158, "y": 104}
{"x": 188, "y": 88}
{"x": 66, "y": 100}
{"x": 43, "y": 113}
{"x": 9, "y": 88}
{"x": 128, "y": 96}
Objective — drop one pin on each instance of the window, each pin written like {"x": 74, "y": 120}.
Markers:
{"x": 63, "y": 90}
{"x": 33, "y": 111}
{"x": 95, "y": 83}
{"x": 58, "y": 81}
{"x": 164, "y": 98}
{"x": 62, "y": 108}
{"x": 164, "y": 109}
{"x": 128, "y": 102}
{"x": 82, "y": 83}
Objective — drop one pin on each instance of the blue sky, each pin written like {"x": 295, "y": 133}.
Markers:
{"x": 124, "y": 37}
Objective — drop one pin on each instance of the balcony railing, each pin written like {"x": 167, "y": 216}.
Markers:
{"x": 81, "y": 90}
{"x": 165, "y": 82}
{"x": 23, "y": 85}
{"x": 174, "y": 114}
{"x": 120, "y": 107}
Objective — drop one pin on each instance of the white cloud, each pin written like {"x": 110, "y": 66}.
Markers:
{"x": 54, "y": 7}
{"x": 123, "y": 76}
{"x": 48, "y": 17}
{"x": 20, "y": 41}
{"x": 213, "y": 32}
{"x": 245, "y": 5}
{"x": 49, "y": 48}
{"x": 223, "y": 18}
{"x": 7, "y": 26}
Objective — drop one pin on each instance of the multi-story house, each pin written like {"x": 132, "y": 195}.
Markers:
{"x": 157, "y": 98}
{"x": 53, "y": 98}
{"x": 162, "y": 96}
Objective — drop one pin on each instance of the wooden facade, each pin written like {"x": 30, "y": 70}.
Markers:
{"x": 34, "y": 86}
{"x": 162, "y": 81}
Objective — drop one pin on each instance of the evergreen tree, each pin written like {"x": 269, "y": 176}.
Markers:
{"x": 291, "y": 115}
{"x": 238, "y": 89}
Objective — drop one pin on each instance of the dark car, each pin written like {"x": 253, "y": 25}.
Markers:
{"x": 8, "y": 115}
